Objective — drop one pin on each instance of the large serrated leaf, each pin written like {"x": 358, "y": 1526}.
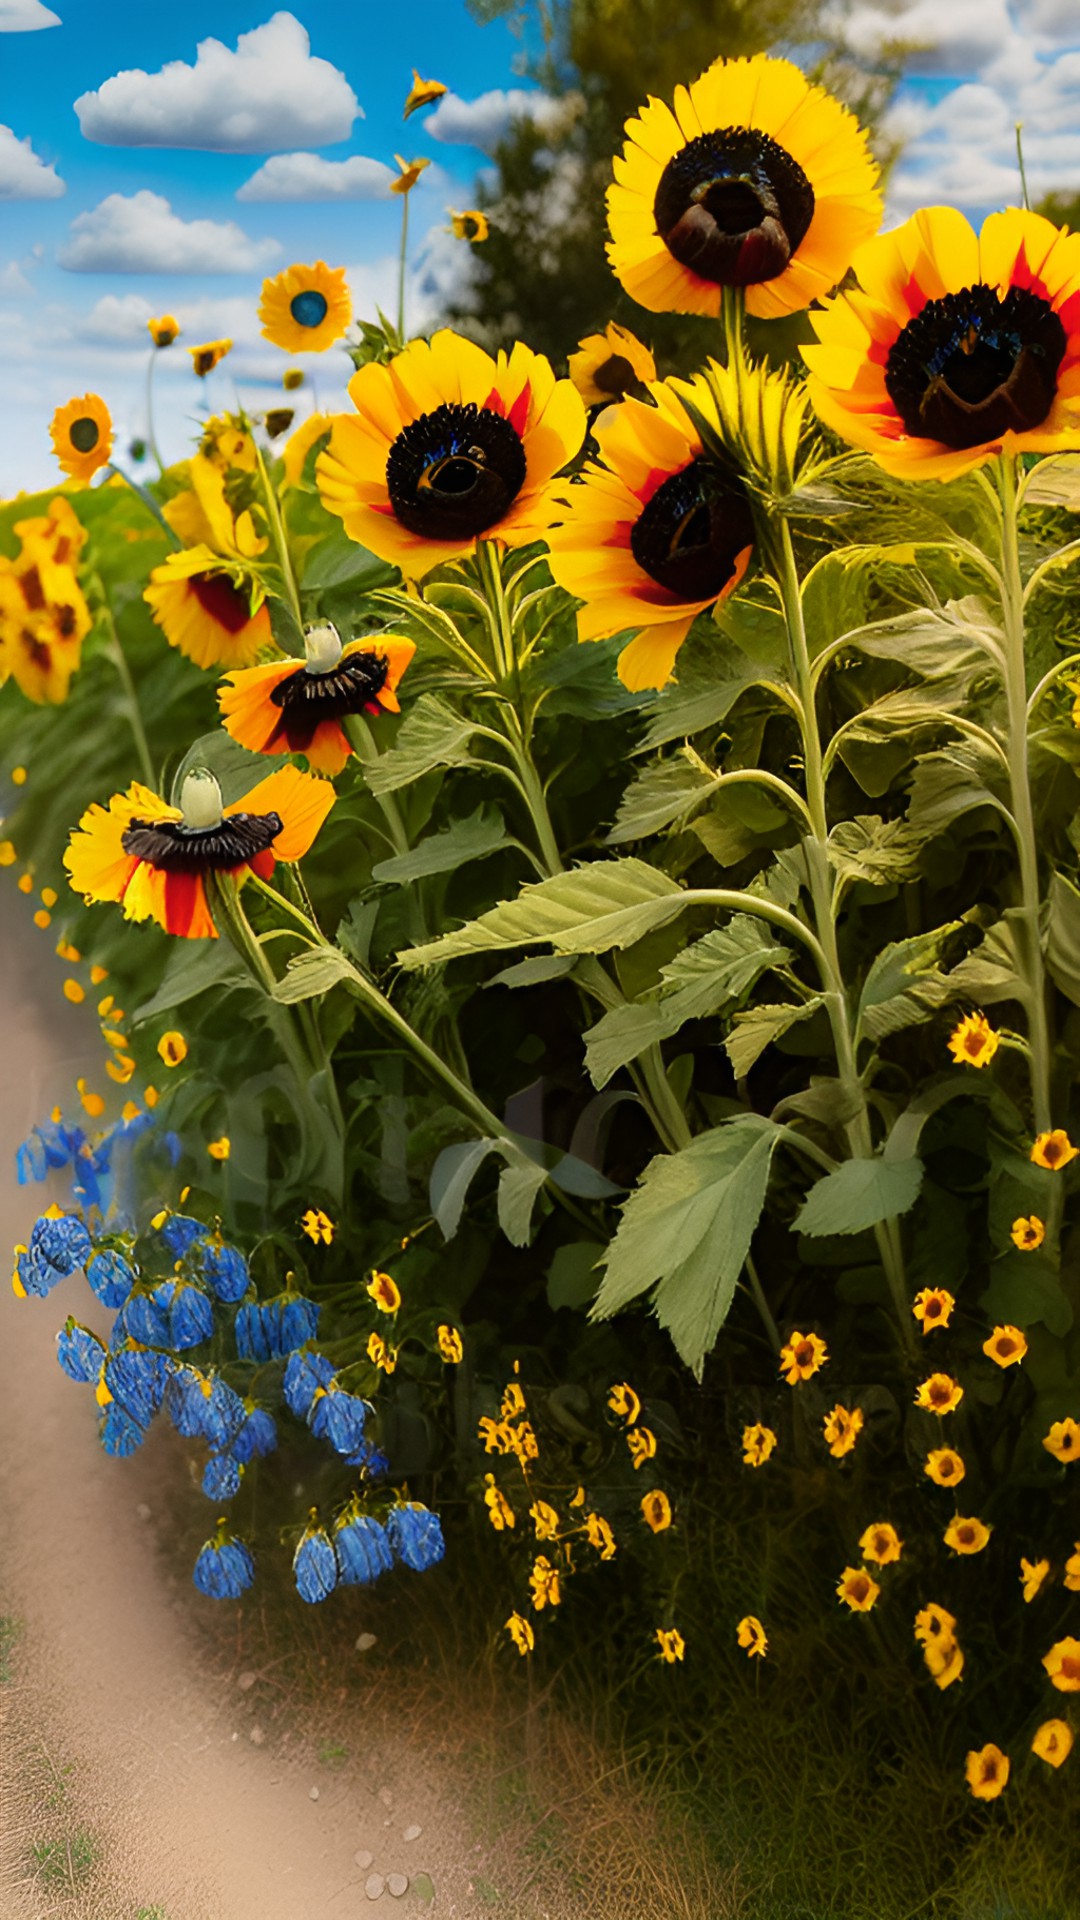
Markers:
{"x": 473, "y": 838}
{"x": 1055, "y": 483}
{"x": 313, "y": 973}
{"x": 756, "y": 1029}
{"x": 519, "y": 1185}
{"x": 860, "y": 1194}
{"x": 432, "y": 735}
{"x": 686, "y": 1230}
{"x": 904, "y": 985}
{"x": 660, "y": 795}
{"x": 608, "y": 903}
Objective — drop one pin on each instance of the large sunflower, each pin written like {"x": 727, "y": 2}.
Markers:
{"x": 287, "y": 707}
{"x": 153, "y": 859}
{"x": 955, "y": 346}
{"x": 209, "y": 609}
{"x": 305, "y": 309}
{"x": 658, "y": 530}
{"x": 447, "y": 445}
{"x": 82, "y": 436}
{"x": 755, "y": 179}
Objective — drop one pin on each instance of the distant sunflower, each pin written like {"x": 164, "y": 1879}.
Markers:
{"x": 422, "y": 93}
{"x": 153, "y": 859}
{"x": 657, "y": 530}
{"x": 294, "y": 707}
{"x": 471, "y": 225}
{"x": 448, "y": 446}
{"x": 955, "y": 346}
{"x": 305, "y": 309}
{"x": 755, "y": 179}
{"x": 204, "y": 610}
{"x": 82, "y": 436}
{"x": 205, "y": 358}
{"x": 164, "y": 330}
{"x": 609, "y": 365}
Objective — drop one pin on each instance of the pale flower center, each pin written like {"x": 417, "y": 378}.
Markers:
{"x": 200, "y": 800}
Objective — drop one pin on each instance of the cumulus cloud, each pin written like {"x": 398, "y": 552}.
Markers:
{"x": 271, "y": 93}
{"x": 307, "y": 176}
{"x": 140, "y": 233}
{"x": 13, "y": 281}
{"x": 23, "y": 174}
{"x": 26, "y": 16}
{"x": 487, "y": 120}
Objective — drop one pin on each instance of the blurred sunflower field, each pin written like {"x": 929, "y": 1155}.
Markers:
{"x": 579, "y": 878}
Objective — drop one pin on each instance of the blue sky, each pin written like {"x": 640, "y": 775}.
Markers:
{"x": 112, "y": 207}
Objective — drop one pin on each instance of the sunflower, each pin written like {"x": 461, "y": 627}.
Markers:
{"x": 211, "y": 512}
{"x": 287, "y": 707}
{"x": 1063, "y": 1440}
{"x": 956, "y": 346}
{"x": 1033, "y": 1575}
{"x": 974, "y": 1042}
{"x": 448, "y": 445}
{"x": 205, "y": 358}
{"x": 933, "y": 1307}
{"x": 671, "y": 1644}
{"x": 966, "y": 1535}
{"x": 1027, "y": 1233}
{"x": 841, "y": 1429}
{"x": 752, "y": 1637}
{"x": 1053, "y": 1742}
{"x": 305, "y": 309}
{"x": 59, "y": 531}
{"x": 44, "y": 619}
{"x": 1006, "y": 1346}
{"x": 758, "y": 1443}
{"x": 1053, "y": 1150}
{"x": 944, "y": 1466}
{"x": 470, "y": 225}
{"x": 1062, "y": 1664}
{"x": 208, "y": 609}
{"x": 987, "y": 1772}
{"x": 881, "y": 1543}
{"x": 610, "y": 364}
{"x": 164, "y": 330}
{"x": 802, "y": 1356}
{"x": 409, "y": 172}
{"x": 857, "y": 1589}
{"x": 658, "y": 530}
{"x": 422, "y": 93}
{"x": 755, "y": 179}
{"x": 521, "y": 1633}
{"x": 153, "y": 859}
{"x": 656, "y": 1510}
{"x": 939, "y": 1394}
{"x": 82, "y": 436}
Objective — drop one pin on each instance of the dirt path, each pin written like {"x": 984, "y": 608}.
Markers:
{"x": 132, "y": 1787}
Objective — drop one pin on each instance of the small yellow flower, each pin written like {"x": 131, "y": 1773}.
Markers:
{"x": 82, "y": 437}
{"x": 1062, "y": 1663}
{"x": 609, "y": 365}
{"x": 219, "y": 1149}
{"x": 500, "y": 1512}
{"x": 934, "y": 1623}
{"x": 1032, "y": 1576}
{"x": 1072, "y": 1570}
{"x": 599, "y": 1535}
{"x": 19, "y": 775}
{"x": 521, "y": 1633}
{"x": 642, "y": 1444}
{"x": 656, "y": 1510}
{"x": 306, "y": 309}
{"x": 65, "y": 950}
{"x": 451, "y": 1346}
{"x": 49, "y": 897}
{"x": 842, "y": 1428}
{"x": 17, "y": 1287}
{"x": 172, "y": 1049}
{"x": 121, "y": 1070}
{"x": 130, "y": 1110}
{"x": 671, "y": 1643}
{"x": 8, "y": 856}
{"x": 164, "y": 331}
{"x": 1006, "y": 1346}
{"x": 857, "y": 1589}
{"x": 151, "y": 1096}
{"x": 1063, "y": 1440}
{"x": 1052, "y": 1742}
{"x": 544, "y": 1519}
{"x": 522, "y": 1442}
{"x": 493, "y": 1433}
{"x": 410, "y": 171}
{"x": 939, "y": 1394}
{"x": 544, "y": 1581}
{"x": 944, "y": 1660}
{"x": 966, "y": 1535}
{"x": 98, "y": 974}
{"x": 757, "y": 1444}
{"x": 577, "y": 1498}
{"x": 471, "y": 225}
{"x": 881, "y": 1543}
{"x": 513, "y": 1401}
{"x": 380, "y": 1354}
{"x": 422, "y": 93}
{"x": 1027, "y": 1233}
{"x": 624, "y": 1402}
{"x": 318, "y": 1226}
{"x": 933, "y": 1307}
{"x": 92, "y": 1103}
{"x": 205, "y": 358}
{"x": 74, "y": 992}
{"x": 987, "y": 1771}
{"x": 752, "y": 1637}
{"x": 801, "y": 1357}
{"x": 42, "y": 919}
{"x": 385, "y": 1292}
{"x": 1053, "y": 1150}
{"x": 974, "y": 1042}
{"x": 944, "y": 1467}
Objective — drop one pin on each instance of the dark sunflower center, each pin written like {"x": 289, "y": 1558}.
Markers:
{"x": 306, "y": 699}
{"x": 455, "y": 472}
{"x": 219, "y": 597}
{"x": 691, "y": 533}
{"x": 733, "y": 206}
{"x": 972, "y": 366}
{"x": 174, "y": 848}
{"x": 615, "y": 375}
{"x": 84, "y": 434}
{"x": 308, "y": 309}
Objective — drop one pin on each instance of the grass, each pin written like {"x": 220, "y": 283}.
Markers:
{"x": 10, "y": 1633}
{"x": 64, "y": 1862}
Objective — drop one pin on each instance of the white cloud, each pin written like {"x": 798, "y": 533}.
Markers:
{"x": 26, "y": 16}
{"x": 140, "y": 233}
{"x": 23, "y": 174}
{"x": 271, "y": 93}
{"x": 487, "y": 120}
{"x": 307, "y": 176}
{"x": 13, "y": 281}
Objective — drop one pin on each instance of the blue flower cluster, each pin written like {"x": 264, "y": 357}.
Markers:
{"x": 362, "y": 1547}
{"x": 100, "y": 1168}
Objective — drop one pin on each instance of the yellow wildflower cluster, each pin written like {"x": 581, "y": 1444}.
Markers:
{"x": 44, "y": 618}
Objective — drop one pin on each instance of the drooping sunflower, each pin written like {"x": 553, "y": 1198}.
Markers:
{"x": 153, "y": 859}
{"x": 754, "y": 179}
{"x": 448, "y": 445}
{"x": 82, "y": 436}
{"x": 955, "y": 346}
{"x": 610, "y": 364}
{"x": 289, "y": 707}
{"x": 658, "y": 530}
{"x": 205, "y": 358}
{"x": 209, "y": 609}
{"x": 305, "y": 309}
{"x": 422, "y": 93}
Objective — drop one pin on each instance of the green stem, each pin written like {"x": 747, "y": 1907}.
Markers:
{"x": 148, "y": 501}
{"x": 131, "y": 698}
{"x": 150, "y": 435}
{"x": 515, "y": 733}
{"x": 281, "y": 545}
{"x": 402, "y": 258}
{"x": 757, "y": 1293}
{"x": 362, "y": 740}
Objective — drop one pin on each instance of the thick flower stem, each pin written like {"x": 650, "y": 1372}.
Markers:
{"x": 131, "y": 698}
{"x": 281, "y": 545}
{"x": 150, "y": 435}
{"x": 514, "y": 729}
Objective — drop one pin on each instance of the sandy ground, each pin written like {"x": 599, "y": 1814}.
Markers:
{"x": 126, "y": 1765}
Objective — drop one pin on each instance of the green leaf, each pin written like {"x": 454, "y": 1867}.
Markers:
{"x": 992, "y": 972}
{"x": 860, "y": 1194}
{"x": 1025, "y": 1288}
{"x": 313, "y": 973}
{"x": 608, "y": 903}
{"x": 756, "y": 1029}
{"x": 431, "y": 736}
{"x": 1063, "y": 936}
{"x": 533, "y": 972}
{"x": 904, "y": 985}
{"x": 948, "y": 783}
{"x": 213, "y": 968}
{"x": 519, "y": 1185}
{"x": 935, "y": 642}
{"x": 660, "y": 795}
{"x": 686, "y": 1230}
{"x": 882, "y": 852}
{"x": 686, "y": 709}
{"x": 451, "y": 1178}
{"x": 337, "y": 561}
{"x": 483, "y": 832}
{"x": 573, "y": 1276}
{"x": 1055, "y": 483}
